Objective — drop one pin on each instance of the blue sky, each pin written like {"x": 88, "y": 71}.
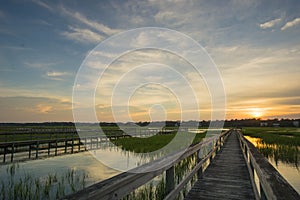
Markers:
{"x": 255, "y": 44}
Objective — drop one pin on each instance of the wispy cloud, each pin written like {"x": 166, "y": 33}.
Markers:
{"x": 39, "y": 65}
{"x": 42, "y": 22}
{"x": 55, "y": 75}
{"x": 82, "y": 35}
{"x": 28, "y": 108}
{"x": 291, "y": 24}
{"x": 270, "y": 24}
{"x": 44, "y": 108}
{"x": 43, "y": 4}
{"x": 91, "y": 23}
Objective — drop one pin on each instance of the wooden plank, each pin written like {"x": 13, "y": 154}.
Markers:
{"x": 226, "y": 177}
{"x": 120, "y": 185}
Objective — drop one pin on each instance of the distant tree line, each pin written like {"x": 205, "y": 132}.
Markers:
{"x": 253, "y": 122}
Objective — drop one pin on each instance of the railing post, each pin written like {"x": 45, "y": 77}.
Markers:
{"x": 4, "y": 155}
{"x": 49, "y": 146}
{"x": 12, "y": 152}
{"x": 97, "y": 142}
{"x": 170, "y": 179}
{"x": 199, "y": 172}
{"x": 66, "y": 145}
{"x": 72, "y": 150}
{"x": 262, "y": 193}
{"x": 29, "y": 152}
{"x": 79, "y": 143}
{"x": 56, "y": 147}
{"x": 37, "y": 150}
{"x": 85, "y": 148}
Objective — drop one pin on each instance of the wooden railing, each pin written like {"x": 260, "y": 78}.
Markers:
{"x": 121, "y": 185}
{"x": 32, "y": 149}
{"x": 31, "y": 143}
{"x": 51, "y": 134}
{"x": 269, "y": 184}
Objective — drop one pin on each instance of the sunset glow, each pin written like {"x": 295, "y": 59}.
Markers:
{"x": 256, "y": 113}
{"x": 44, "y": 43}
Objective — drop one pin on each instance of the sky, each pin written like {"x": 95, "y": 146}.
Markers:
{"x": 254, "y": 44}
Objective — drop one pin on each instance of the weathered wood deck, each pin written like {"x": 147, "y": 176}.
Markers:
{"x": 238, "y": 171}
{"x": 227, "y": 177}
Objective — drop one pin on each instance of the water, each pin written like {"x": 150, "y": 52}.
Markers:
{"x": 287, "y": 167}
{"x": 81, "y": 164}
{"x": 62, "y": 166}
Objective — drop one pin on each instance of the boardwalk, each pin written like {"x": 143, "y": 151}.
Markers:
{"x": 227, "y": 177}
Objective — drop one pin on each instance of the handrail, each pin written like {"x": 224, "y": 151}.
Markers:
{"x": 121, "y": 185}
{"x": 271, "y": 184}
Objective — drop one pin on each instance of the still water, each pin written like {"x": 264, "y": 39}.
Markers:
{"x": 90, "y": 170}
{"x": 66, "y": 172}
{"x": 284, "y": 158}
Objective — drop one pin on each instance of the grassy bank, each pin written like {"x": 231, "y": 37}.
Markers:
{"x": 279, "y": 144}
{"x": 144, "y": 145}
{"x": 270, "y": 135}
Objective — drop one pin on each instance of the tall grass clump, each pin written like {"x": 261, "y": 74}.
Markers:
{"x": 279, "y": 144}
{"x": 52, "y": 186}
{"x": 155, "y": 189}
{"x": 153, "y": 143}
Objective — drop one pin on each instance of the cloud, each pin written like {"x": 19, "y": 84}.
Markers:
{"x": 39, "y": 65}
{"x": 43, "y": 4}
{"x": 28, "y": 108}
{"x": 270, "y": 24}
{"x": 82, "y": 35}
{"x": 93, "y": 24}
{"x": 163, "y": 16}
{"x": 42, "y": 22}
{"x": 56, "y": 75}
{"x": 44, "y": 108}
{"x": 291, "y": 24}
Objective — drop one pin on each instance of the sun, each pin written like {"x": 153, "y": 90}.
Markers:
{"x": 256, "y": 112}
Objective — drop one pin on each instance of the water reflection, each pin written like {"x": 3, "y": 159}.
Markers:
{"x": 288, "y": 154}
{"x": 285, "y": 158}
{"x": 64, "y": 171}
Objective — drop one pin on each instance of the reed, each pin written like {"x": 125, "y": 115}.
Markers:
{"x": 153, "y": 143}
{"x": 279, "y": 144}
{"x": 155, "y": 189}
{"x": 49, "y": 187}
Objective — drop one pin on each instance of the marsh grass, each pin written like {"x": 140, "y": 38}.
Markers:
{"x": 279, "y": 144}
{"x": 155, "y": 189}
{"x": 153, "y": 143}
{"x": 50, "y": 187}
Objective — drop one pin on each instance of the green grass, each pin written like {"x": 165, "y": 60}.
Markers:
{"x": 143, "y": 145}
{"x": 153, "y": 143}
{"x": 270, "y": 135}
{"x": 279, "y": 144}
